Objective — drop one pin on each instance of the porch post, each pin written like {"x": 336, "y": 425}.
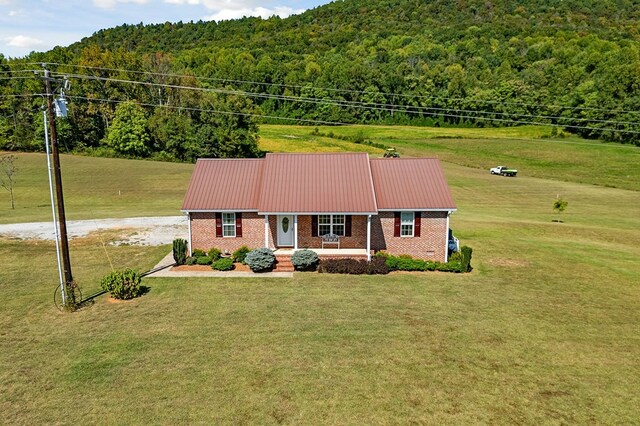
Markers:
{"x": 446, "y": 240}
{"x": 266, "y": 230}
{"x": 369, "y": 237}
{"x": 189, "y": 222}
{"x": 295, "y": 232}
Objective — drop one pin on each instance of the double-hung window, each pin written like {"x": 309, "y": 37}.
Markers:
{"x": 331, "y": 224}
{"x": 407, "y": 224}
{"x": 228, "y": 224}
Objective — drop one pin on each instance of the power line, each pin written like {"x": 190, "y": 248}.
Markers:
{"x": 342, "y": 123}
{"x": 302, "y": 120}
{"x": 444, "y": 112}
{"x": 404, "y": 95}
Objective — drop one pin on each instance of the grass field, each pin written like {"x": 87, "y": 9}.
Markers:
{"x": 525, "y": 148}
{"x": 97, "y": 188}
{"x": 543, "y": 331}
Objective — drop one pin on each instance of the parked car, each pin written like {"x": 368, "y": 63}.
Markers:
{"x": 503, "y": 171}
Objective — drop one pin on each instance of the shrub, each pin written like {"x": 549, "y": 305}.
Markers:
{"x": 454, "y": 266}
{"x": 261, "y": 259}
{"x": 353, "y": 266}
{"x": 378, "y": 266}
{"x": 191, "y": 260}
{"x": 343, "y": 266}
{"x": 123, "y": 284}
{"x": 466, "y": 258}
{"x": 198, "y": 253}
{"x": 407, "y": 263}
{"x": 391, "y": 262}
{"x": 214, "y": 254}
{"x": 305, "y": 260}
{"x": 180, "y": 251}
{"x": 240, "y": 254}
{"x": 203, "y": 260}
{"x": 224, "y": 264}
{"x": 455, "y": 256}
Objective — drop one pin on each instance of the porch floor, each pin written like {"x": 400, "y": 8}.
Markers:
{"x": 327, "y": 252}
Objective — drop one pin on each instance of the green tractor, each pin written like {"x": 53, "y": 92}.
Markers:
{"x": 391, "y": 153}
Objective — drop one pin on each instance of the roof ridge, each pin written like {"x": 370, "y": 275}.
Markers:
{"x": 318, "y": 153}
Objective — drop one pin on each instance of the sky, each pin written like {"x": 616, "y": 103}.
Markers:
{"x": 39, "y": 25}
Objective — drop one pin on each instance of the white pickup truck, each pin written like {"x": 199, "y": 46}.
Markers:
{"x": 503, "y": 171}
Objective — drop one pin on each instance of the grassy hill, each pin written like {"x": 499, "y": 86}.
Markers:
{"x": 544, "y": 330}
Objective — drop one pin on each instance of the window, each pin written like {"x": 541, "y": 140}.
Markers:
{"x": 406, "y": 224}
{"x": 228, "y": 224}
{"x": 331, "y": 224}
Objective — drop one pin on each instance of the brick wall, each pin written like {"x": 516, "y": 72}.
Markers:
{"x": 358, "y": 238}
{"x": 431, "y": 244}
{"x": 203, "y": 233}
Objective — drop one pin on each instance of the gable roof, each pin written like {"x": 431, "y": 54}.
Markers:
{"x": 410, "y": 184}
{"x": 224, "y": 184}
{"x": 317, "y": 183}
{"x": 348, "y": 183}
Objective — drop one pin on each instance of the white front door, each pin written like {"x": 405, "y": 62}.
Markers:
{"x": 285, "y": 231}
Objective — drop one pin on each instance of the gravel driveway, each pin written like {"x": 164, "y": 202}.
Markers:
{"x": 152, "y": 231}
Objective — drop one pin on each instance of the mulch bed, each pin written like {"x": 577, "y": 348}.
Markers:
{"x": 239, "y": 267}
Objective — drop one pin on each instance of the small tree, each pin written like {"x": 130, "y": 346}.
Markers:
{"x": 559, "y": 205}
{"x": 128, "y": 133}
{"x": 8, "y": 172}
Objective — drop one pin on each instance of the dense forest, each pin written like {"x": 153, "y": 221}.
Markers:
{"x": 573, "y": 64}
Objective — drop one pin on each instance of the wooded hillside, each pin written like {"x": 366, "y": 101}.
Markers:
{"x": 570, "y": 63}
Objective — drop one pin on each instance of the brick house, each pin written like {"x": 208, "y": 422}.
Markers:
{"x": 336, "y": 204}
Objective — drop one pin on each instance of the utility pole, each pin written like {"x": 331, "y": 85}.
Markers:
{"x": 62, "y": 221}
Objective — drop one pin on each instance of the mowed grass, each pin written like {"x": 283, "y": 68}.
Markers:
{"x": 543, "y": 331}
{"x": 528, "y": 149}
{"x": 96, "y": 188}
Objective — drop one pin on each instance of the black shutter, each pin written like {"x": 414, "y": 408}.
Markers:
{"x": 314, "y": 225}
{"x": 238, "y": 225}
{"x": 396, "y": 224}
{"x": 347, "y": 226}
{"x": 218, "y": 225}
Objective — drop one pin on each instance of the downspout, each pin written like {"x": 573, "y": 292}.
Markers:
{"x": 266, "y": 230}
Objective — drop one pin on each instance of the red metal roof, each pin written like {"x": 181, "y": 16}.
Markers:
{"x": 224, "y": 184}
{"x": 317, "y": 183}
{"x": 410, "y": 184}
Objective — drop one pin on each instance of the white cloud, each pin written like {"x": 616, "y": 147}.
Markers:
{"x": 232, "y": 9}
{"x": 226, "y": 14}
{"x": 13, "y": 13}
{"x": 24, "y": 42}
{"x": 109, "y": 4}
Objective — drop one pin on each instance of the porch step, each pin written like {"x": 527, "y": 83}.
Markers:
{"x": 283, "y": 264}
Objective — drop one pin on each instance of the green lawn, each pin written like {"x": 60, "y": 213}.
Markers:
{"x": 525, "y": 148}
{"x": 96, "y": 188}
{"x": 543, "y": 331}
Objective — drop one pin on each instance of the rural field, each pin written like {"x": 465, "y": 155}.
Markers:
{"x": 543, "y": 331}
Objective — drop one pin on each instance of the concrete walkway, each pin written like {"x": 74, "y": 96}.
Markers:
{"x": 166, "y": 272}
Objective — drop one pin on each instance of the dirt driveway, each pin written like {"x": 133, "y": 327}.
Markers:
{"x": 152, "y": 231}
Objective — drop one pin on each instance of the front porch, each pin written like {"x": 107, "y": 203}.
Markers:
{"x": 327, "y": 253}
{"x": 283, "y": 256}
{"x": 287, "y": 233}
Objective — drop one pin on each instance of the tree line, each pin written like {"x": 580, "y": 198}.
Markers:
{"x": 573, "y": 64}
